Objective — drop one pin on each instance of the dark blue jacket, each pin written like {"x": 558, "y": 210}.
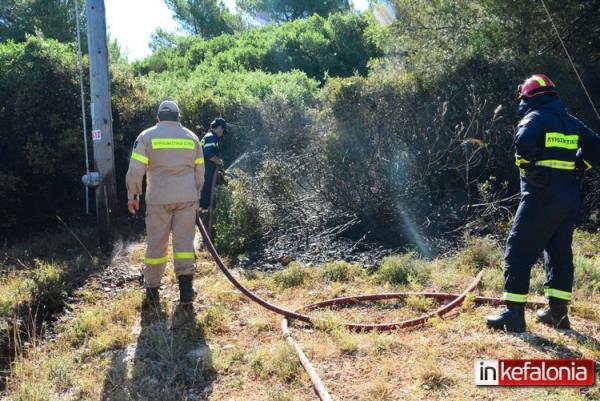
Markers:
{"x": 210, "y": 145}
{"x": 549, "y": 138}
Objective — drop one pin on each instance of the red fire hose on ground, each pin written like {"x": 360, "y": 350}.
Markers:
{"x": 455, "y": 301}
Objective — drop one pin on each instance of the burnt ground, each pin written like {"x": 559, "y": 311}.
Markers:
{"x": 285, "y": 249}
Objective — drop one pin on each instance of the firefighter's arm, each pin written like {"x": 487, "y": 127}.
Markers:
{"x": 581, "y": 161}
{"x": 199, "y": 169}
{"x": 135, "y": 174}
{"x": 526, "y": 141}
{"x": 589, "y": 151}
{"x": 209, "y": 147}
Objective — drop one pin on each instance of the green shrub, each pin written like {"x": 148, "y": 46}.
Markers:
{"x": 13, "y": 290}
{"x": 328, "y": 321}
{"x": 382, "y": 342}
{"x": 238, "y": 227}
{"x": 402, "y": 269}
{"x": 341, "y": 271}
{"x": 41, "y": 138}
{"x": 216, "y": 319}
{"x": 33, "y": 392}
{"x": 493, "y": 280}
{"x": 346, "y": 341}
{"x": 47, "y": 287}
{"x": 480, "y": 253}
{"x": 587, "y": 275}
{"x": 419, "y": 303}
{"x": 295, "y": 275}
{"x": 340, "y": 45}
{"x": 279, "y": 361}
{"x": 6, "y": 308}
{"x": 88, "y": 323}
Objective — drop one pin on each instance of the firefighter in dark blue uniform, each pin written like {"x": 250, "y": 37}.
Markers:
{"x": 546, "y": 144}
{"x": 213, "y": 161}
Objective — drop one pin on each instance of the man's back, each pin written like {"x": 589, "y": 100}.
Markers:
{"x": 171, "y": 154}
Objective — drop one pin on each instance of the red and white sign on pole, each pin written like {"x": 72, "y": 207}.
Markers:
{"x": 534, "y": 372}
{"x": 97, "y": 135}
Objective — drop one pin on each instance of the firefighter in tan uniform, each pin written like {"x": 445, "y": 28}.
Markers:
{"x": 171, "y": 156}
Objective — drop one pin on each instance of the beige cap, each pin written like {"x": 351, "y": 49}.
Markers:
{"x": 168, "y": 105}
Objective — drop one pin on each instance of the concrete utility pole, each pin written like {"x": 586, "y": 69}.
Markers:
{"x": 102, "y": 133}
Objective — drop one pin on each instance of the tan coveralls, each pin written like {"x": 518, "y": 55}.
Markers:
{"x": 171, "y": 156}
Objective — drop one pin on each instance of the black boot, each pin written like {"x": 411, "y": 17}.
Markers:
{"x": 513, "y": 318}
{"x": 556, "y": 315}
{"x": 152, "y": 297}
{"x": 186, "y": 289}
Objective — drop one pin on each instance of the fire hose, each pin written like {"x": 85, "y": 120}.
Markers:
{"x": 455, "y": 301}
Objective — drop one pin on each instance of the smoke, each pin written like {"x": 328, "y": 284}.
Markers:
{"x": 398, "y": 177}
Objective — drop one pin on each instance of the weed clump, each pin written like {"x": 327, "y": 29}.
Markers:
{"x": 419, "y": 303}
{"x": 381, "y": 343}
{"x": 402, "y": 269}
{"x": 433, "y": 378}
{"x": 587, "y": 275}
{"x": 295, "y": 275}
{"x": 479, "y": 253}
{"x": 279, "y": 361}
{"x": 341, "y": 271}
{"x": 280, "y": 395}
{"x": 346, "y": 341}
{"x": 216, "y": 319}
{"x": 327, "y": 321}
{"x": 46, "y": 286}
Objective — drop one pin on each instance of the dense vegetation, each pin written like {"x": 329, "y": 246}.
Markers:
{"x": 400, "y": 118}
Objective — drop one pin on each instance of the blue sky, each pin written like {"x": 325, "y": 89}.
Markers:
{"x": 132, "y": 21}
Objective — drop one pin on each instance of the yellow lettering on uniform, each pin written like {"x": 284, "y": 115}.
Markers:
{"x": 559, "y": 140}
{"x": 169, "y": 143}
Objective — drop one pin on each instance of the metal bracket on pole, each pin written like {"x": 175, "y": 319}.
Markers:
{"x": 92, "y": 179}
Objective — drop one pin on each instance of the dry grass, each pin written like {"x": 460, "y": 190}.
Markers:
{"x": 276, "y": 360}
{"x": 230, "y": 349}
{"x": 216, "y": 319}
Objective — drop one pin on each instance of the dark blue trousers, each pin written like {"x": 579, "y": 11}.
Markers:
{"x": 209, "y": 169}
{"x": 544, "y": 222}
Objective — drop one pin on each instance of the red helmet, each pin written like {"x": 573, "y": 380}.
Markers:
{"x": 536, "y": 84}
